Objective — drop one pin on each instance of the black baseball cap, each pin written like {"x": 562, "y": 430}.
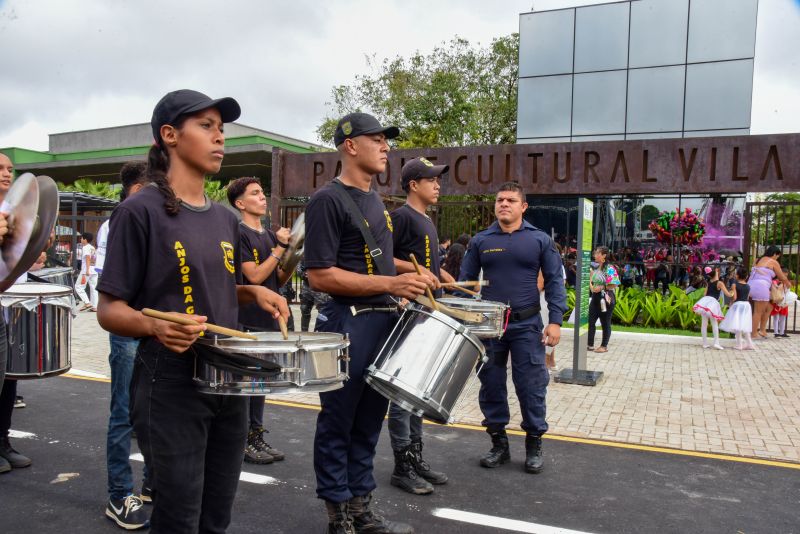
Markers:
{"x": 184, "y": 101}
{"x": 421, "y": 168}
{"x": 355, "y": 124}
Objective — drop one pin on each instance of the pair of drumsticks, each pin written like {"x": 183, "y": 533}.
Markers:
{"x": 178, "y": 319}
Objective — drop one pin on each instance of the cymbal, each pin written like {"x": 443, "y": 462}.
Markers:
{"x": 21, "y": 206}
{"x": 294, "y": 252}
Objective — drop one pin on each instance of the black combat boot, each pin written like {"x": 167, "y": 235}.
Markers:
{"x": 255, "y": 452}
{"x": 499, "y": 453}
{"x": 405, "y": 477}
{"x": 533, "y": 454}
{"x": 369, "y": 521}
{"x": 339, "y": 521}
{"x": 14, "y": 458}
{"x": 421, "y": 466}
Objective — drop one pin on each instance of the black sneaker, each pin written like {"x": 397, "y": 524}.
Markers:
{"x": 127, "y": 513}
{"x": 147, "y": 495}
{"x": 19, "y": 402}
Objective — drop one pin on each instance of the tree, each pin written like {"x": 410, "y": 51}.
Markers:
{"x": 457, "y": 95}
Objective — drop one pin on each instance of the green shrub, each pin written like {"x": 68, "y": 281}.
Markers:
{"x": 628, "y": 306}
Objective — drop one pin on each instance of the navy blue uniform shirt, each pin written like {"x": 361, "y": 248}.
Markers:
{"x": 256, "y": 247}
{"x": 333, "y": 240}
{"x": 415, "y": 233}
{"x": 511, "y": 263}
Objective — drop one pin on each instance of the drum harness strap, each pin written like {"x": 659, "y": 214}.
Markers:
{"x": 383, "y": 263}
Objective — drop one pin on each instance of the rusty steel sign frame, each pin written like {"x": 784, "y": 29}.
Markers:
{"x": 735, "y": 164}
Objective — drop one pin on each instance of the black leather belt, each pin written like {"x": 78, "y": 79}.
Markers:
{"x": 524, "y": 313}
{"x": 358, "y": 309}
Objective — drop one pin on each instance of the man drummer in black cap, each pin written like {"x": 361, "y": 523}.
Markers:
{"x": 414, "y": 233}
{"x": 361, "y": 280}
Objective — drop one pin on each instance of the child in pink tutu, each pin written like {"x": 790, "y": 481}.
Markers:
{"x": 739, "y": 319}
{"x": 708, "y": 307}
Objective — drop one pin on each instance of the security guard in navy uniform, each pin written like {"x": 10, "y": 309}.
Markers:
{"x": 511, "y": 252}
{"x": 339, "y": 262}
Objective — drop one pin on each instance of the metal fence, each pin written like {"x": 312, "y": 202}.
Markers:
{"x": 778, "y": 224}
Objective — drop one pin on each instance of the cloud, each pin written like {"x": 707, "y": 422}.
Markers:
{"x": 97, "y": 63}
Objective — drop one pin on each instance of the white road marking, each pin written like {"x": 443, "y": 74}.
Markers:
{"x": 501, "y": 522}
{"x": 19, "y": 434}
{"x": 87, "y": 374}
{"x": 244, "y": 477}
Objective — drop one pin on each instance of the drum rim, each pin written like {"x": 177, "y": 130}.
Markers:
{"x": 460, "y": 328}
{"x": 54, "y": 290}
{"x": 279, "y": 345}
{"x": 458, "y": 301}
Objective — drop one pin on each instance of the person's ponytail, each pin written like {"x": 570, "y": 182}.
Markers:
{"x": 157, "y": 167}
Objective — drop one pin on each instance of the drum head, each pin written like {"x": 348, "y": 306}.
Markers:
{"x": 38, "y": 289}
{"x": 273, "y": 342}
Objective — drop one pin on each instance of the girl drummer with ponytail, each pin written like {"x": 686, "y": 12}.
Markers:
{"x": 172, "y": 249}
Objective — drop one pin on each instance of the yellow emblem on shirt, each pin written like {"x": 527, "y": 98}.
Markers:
{"x": 227, "y": 251}
{"x": 388, "y": 221}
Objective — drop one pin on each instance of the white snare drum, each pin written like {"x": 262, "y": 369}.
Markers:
{"x": 493, "y": 314}
{"x": 39, "y": 323}
{"x": 425, "y": 363}
{"x": 310, "y": 362}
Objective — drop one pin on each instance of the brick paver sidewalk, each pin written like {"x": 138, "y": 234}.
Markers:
{"x": 657, "y": 390}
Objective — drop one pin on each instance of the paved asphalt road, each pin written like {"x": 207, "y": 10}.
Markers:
{"x": 586, "y": 488}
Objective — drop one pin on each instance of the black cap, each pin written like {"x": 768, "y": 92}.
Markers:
{"x": 184, "y": 101}
{"x": 355, "y": 124}
{"x": 421, "y": 168}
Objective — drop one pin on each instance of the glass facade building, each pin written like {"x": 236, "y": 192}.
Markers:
{"x": 637, "y": 69}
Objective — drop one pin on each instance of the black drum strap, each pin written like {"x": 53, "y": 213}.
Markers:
{"x": 384, "y": 263}
{"x": 235, "y": 362}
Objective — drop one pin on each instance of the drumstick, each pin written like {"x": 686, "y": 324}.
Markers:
{"x": 427, "y": 289}
{"x": 467, "y": 283}
{"x": 284, "y": 328}
{"x": 191, "y": 322}
{"x": 464, "y": 289}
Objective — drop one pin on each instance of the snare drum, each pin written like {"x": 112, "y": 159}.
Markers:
{"x": 493, "y": 314}
{"x": 426, "y": 363}
{"x": 56, "y": 275}
{"x": 39, "y": 324}
{"x": 311, "y": 362}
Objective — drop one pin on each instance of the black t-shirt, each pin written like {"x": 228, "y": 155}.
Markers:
{"x": 186, "y": 263}
{"x": 256, "y": 247}
{"x": 332, "y": 240}
{"x": 415, "y": 233}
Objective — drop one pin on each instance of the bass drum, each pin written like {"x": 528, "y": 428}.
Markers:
{"x": 39, "y": 323}
{"x": 426, "y": 363}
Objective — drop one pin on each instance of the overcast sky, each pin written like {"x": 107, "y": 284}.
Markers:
{"x": 75, "y": 65}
